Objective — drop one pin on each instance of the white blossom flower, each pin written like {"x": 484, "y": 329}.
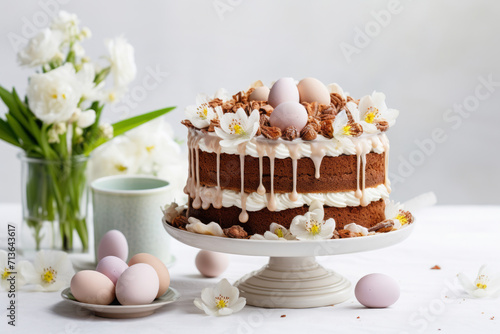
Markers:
{"x": 67, "y": 24}
{"x": 237, "y": 128}
{"x": 121, "y": 57}
{"x": 53, "y": 96}
{"x": 201, "y": 113}
{"x": 106, "y": 130}
{"x": 55, "y": 131}
{"x": 311, "y": 226}
{"x": 276, "y": 232}
{"x": 52, "y": 271}
{"x": 395, "y": 212}
{"x": 86, "y": 118}
{"x": 172, "y": 211}
{"x": 85, "y": 33}
{"x": 335, "y": 88}
{"x": 223, "y": 299}
{"x": 114, "y": 159}
{"x": 372, "y": 108}
{"x": 355, "y": 228}
{"x": 41, "y": 49}
{"x": 7, "y": 278}
{"x": 196, "y": 226}
{"x": 89, "y": 90}
{"x": 485, "y": 285}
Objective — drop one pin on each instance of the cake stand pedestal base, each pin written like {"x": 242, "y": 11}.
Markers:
{"x": 294, "y": 282}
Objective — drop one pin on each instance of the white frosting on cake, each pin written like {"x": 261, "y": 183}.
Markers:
{"x": 282, "y": 201}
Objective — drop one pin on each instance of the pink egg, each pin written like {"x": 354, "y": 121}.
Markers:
{"x": 137, "y": 285}
{"x": 211, "y": 264}
{"x": 259, "y": 94}
{"x": 283, "y": 90}
{"x": 377, "y": 290}
{"x": 113, "y": 243}
{"x": 112, "y": 267}
{"x": 289, "y": 114}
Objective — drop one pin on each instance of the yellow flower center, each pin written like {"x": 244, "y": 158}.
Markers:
{"x": 111, "y": 97}
{"x": 481, "y": 286}
{"x": 54, "y": 96}
{"x": 279, "y": 232}
{"x": 150, "y": 148}
{"x": 347, "y": 130}
{"x": 49, "y": 275}
{"x": 5, "y": 274}
{"x": 64, "y": 96}
{"x": 221, "y": 301}
{"x": 121, "y": 168}
{"x": 402, "y": 218}
{"x": 238, "y": 129}
{"x": 371, "y": 115}
{"x": 313, "y": 227}
{"x": 203, "y": 112}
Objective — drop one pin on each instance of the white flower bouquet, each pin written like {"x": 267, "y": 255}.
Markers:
{"x": 57, "y": 124}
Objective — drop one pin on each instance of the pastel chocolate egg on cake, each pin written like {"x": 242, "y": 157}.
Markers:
{"x": 260, "y": 94}
{"x": 283, "y": 90}
{"x": 289, "y": 114}
{"x": 312, "y": 90}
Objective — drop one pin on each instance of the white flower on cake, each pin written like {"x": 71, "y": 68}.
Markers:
{"x": 121, "y": 57}
{"x": 53, "y": 96}
{"x": 41, "y": 49}
{"x": 52, "y": 271}
{"x": 276, "y": 232}
{"x": 201, "y": 113}
{"x": 172, "y": 211}
{"x": 355, "y": 228}
{"x": 485, "y": 285}
{"x": 223, "y": 299}
{"x": 373, "y": 109}
{"x": 311, "y": 226}
{"x": 343, "y": 130}
{"x": 196, "y": 226}
{"x": 237, "y": 128}
{"x": 7, "y": 276}
{"x": 335, "y": 88}
{"x": 395, "y": 212}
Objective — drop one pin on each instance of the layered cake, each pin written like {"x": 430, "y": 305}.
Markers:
{"x": 297, "y": 159}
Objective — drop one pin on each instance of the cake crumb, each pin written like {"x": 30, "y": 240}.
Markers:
{"x": 358, "y": 317}
{"x": 436, "y": 267}
{"x": 283, "y": 316}
{"x": 492, "y": 318}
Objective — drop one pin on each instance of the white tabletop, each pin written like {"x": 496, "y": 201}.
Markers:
{"x": 459, "y": 239}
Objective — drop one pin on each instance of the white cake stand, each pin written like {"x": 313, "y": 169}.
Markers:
{"x": 292, "y": 278}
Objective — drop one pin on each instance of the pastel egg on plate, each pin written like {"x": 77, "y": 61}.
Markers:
{"x": 211, "y": 264}
{"x": 283, "y": 90}
{"x": 259, "y": 94}
{"x": 113, "y": 243}
{"x": 138, "y": 285}
{"x": 158, "y": 266}
{"x": 112, "y": 267}
{"x": 92, "y": 287}
{"x": 312, "y": 90}
{"x": 377, "y": 290}
{"x": 289, "y": 114}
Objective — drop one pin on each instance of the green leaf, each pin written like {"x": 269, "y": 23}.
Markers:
{"x": 7, "y": 98}
{"x": 26, "y": 140}
{"x": 128, "y": 124}
{"x": 7, "y": 134}
{"x": 102, "y": 75}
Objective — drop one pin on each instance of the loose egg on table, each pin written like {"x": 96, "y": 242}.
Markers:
{"x": 312, "y": 90}
{"x": 112, "y": 267}
{"x": 92, "y": 287}
{"x": 158, "y": 266}
{"x": 113, "y": 243}
{"x": 211, "y": 264}
{"x": 377, "y": 291}
{"x": 283, "y": 90}
{"x": 137, "y": 285}
{"x": 289, "y": 114}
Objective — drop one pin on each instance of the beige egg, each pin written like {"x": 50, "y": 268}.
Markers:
{"x": 211, "y": 264}
{"x": 158, "y": 266}
{"x": 259, "y": 94}
{"x": 312, "y": 90}
{"x": 92, "y": 287}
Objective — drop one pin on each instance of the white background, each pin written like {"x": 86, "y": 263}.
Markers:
{"x": 427, "y": 57}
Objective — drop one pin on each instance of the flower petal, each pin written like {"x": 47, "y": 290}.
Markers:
{"x": 466, "y": 283}
{"x": 239, "y": 304}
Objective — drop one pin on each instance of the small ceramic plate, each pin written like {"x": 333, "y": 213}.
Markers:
{"x": 118, "y": 311}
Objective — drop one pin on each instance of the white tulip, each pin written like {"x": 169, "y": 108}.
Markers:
{"x": 121, "y": 56}
{"x": 86, "y": 77}
{"x": 86, "y": 119}
{"x": 41, "y": 49}
{"x": 67, "y": 24}
{"x": 53, "y": 96}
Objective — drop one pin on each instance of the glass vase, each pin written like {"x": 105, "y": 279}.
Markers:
{"x": 54, "y": 200}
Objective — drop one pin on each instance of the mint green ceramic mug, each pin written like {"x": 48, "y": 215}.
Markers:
{"x": 132, "y": 204}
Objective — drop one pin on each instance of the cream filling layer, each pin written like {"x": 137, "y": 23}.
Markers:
{"x": 330, "y": 147}
{"x": 256, "y": 202}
